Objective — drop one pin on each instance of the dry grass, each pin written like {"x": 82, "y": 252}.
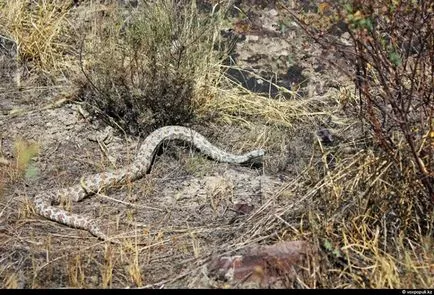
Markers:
{"x": 366, "y": 243}
{"x": 348, "y": 211}
{"x": 41, "y": 31}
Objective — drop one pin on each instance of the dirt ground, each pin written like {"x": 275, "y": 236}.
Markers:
{"x": 180, "y": 215}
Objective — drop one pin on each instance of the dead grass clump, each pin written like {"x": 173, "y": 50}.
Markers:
{"x": 380, "y": 230}
{"x": 366, "y": 238}
{"x": 147, "y": 67}
{"x": 40, "y": 30}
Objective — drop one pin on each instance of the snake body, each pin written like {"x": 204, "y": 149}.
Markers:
{"x": 44, "y": 201}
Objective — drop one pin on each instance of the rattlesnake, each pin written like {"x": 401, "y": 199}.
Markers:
{"x": 141, "y": 165}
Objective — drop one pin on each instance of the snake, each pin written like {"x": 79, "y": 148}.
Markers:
{"x": 45, "y": 201}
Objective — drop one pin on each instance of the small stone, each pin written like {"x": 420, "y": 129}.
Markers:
{"x": 252, "y": 38}
{"x": 273, "y": 12}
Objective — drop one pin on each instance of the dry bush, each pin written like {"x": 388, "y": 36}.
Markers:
{"x": 394, "y": 50}
{"x": 390, "y": 50}
{"x": 372, "y": 213}
{"x": 146, "y": 68}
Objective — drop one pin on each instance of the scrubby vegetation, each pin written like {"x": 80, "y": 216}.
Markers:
{"x": 365, "y": 203}
{"x": 148, "y": 69}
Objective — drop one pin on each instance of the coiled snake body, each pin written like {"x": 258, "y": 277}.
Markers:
{"x": 89, "y": 185}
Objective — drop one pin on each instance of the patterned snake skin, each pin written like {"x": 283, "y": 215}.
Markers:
{"x": 92, "y": 184}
